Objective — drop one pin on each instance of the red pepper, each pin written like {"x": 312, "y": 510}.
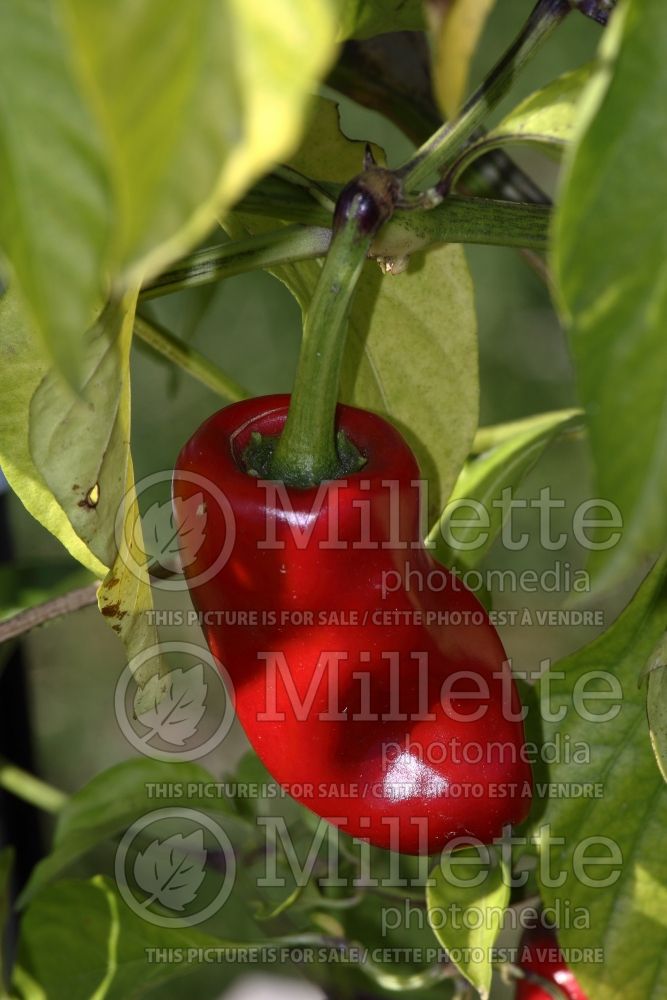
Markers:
{"x": 366, "y": 676}
{"x": 539, "y": 953}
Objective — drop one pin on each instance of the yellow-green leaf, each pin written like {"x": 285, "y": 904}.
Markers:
{"x": 55, "y": 206}
{"x": 610, "y": 247}
{"x": 412, "y": 356}
{"x": 22, "y": 368}
{"x": 456, "y": 27}
{"x": 656, "y": 702}
{"x": 603, "y": 852}
{"x": 364, "y": 18}
{"x": 482, "y": 482}
{"x": 473, "y": 879}
{"x": 81, "y": 446}
{"x": 195, "y": 103}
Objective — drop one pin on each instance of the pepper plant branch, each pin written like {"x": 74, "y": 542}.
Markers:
{"x": 188, "y": 358}
{"x": 64, "y": 604}
{"x": 391, "y": 74}
{"x": 510, "y": 972}
{"x": 465, "y": 220}
{"x": 30, "y": 788}
{"x": 457, "y": 220}
{"x": 439, "y": 149}
{"x": 598, "y": 10}
{"x": 307, "y": 452}
{"x": 280, "y": 246}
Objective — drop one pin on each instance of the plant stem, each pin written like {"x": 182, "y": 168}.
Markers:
{"x": 306, "y": 452}
{"x": 64, "y": 604}
{"x": 29, "y": 788}
{"x": 465, "y": 220}
{"x": 459, "y": 219}
{"x": 281, "y": 246}
{"x": 598, "y": 10}
{"x": 435, "y": 153}
{"x": 188, "y": 358}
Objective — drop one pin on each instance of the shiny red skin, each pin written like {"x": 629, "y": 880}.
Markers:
{"x": 401, "y": 798}
{"x": 539, "y": 953}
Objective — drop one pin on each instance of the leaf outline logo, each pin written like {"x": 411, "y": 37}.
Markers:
{"x": 160, "y": 524}
{"x": 128, "y": 692}
{"x": 156, "y": 534}
{"x": 171, "y": 871}
{"x": 178, "y": 703}
{"x": 184, "y": 875}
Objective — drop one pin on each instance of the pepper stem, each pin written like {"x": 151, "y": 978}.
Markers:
{"x": 308, "y": 450}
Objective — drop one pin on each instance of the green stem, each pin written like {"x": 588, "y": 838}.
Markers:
{"x": 465, "y": 220}
{"x": 437, "y": 151}
{"x": 306, "y": 452}
{"x": 29, "y": 788}
{"x": 188, "y": 358}
{"x": 458, "y": 219}
{"x": 282, "y": 246}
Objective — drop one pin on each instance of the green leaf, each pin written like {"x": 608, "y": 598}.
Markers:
{"x": 124, "y": 133}
{"x": 363, "y": 18}
{"x": 113, "y": 800}
{"x": 22, "y": 368}
{"x": 412, "y": 348}
{"x": 475, "y": 881}
{"x": 482, "y": 481}
{"x": 656, "y": 702}
{"x": 80, "y": 445}
{"x": 412, "y": 356}
{"x": 54, "y": 199}
{"x": 80, "y": 940}
{"x": 546, "y": 119}
{"x": 550, "y": 114}
{"x": 623, "y": 902}
{"x": 402, "y": 953}
{"x": 219, "y": 90}
{"x": 656, "y": 707}
{"x": 609, "y": 265}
